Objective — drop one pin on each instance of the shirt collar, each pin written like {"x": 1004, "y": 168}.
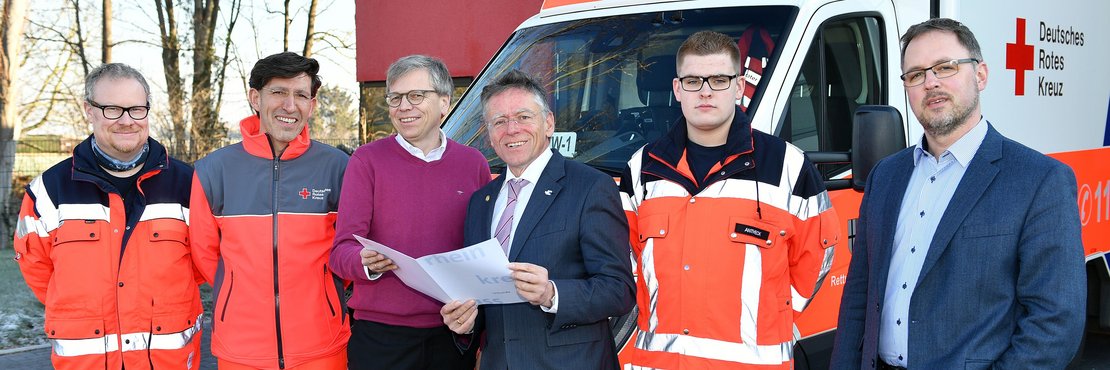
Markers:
{"x": 963, "y": 150}
{"x": 534, "y": 170}
{"x": 432, "y": 156}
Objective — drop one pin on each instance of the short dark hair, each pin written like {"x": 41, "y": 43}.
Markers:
{"x": 515, "y": 79}
{"x": 284, "y": 65}
{"x": 437, "y": 72}
{"x": 963, "y": 35}
{"x": 113, "y": 71}
{"x": 704, "y": 43}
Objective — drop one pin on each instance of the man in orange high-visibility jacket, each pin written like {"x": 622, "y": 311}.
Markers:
{"x": 731, "y": 228}
{"x": 102, "y": 240}
{"x": 262, "y": 222}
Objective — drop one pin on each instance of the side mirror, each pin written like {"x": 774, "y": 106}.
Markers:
{"x": 877, "y": 132}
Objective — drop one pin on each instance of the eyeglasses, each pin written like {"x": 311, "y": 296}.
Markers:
{"x": 716, "y": 83}
{"x": 414, "y": 96}
{"x": 525, "y": 117}
{"x": 115, "y": 112}
{"x": 300, "y": 97}
{"x": 940, "y": 70}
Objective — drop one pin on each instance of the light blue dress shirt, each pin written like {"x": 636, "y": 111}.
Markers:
{"x": 931, "y": 186}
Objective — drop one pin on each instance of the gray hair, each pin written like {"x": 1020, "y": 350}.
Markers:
{"x": 515, "y": 79}
{"x": 437, "y": 72}
{"x": 963, "y": 35}
{"x": 114, "y": 71}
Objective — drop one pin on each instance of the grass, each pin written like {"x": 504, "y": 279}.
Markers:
{"x": 20, "y": 312}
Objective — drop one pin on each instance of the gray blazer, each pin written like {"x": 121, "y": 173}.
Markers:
{"x": 1002, "y": 286}
{"x": 575, "y": 227}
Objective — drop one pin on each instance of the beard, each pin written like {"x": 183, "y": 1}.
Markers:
{"x": 946, "y": 122}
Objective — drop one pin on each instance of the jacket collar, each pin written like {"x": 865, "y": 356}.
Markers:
{"x": 258, "y": 144}
{"x": 85, "y": 166}
{"x": 672, "y": 147}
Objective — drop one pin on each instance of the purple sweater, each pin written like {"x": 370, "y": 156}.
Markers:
{"x": 412, "y": 206}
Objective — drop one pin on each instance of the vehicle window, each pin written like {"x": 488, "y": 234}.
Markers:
{"x": 841, "y": 71}
{"x": 609, "y": 79}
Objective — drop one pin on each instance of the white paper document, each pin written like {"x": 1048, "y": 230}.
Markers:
{"x": 477, "y": 272}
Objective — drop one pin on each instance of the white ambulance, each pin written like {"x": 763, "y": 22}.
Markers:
{"x": 810, "y": 65}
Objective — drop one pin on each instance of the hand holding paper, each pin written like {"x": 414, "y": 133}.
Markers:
{"x": 476, "y": 272}
{"x": 377, "y": 263}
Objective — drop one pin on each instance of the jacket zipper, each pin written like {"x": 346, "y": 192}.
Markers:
{"x": 326, "y": 297}
{"x": 227, "y": 298}
{"x": 277, "y": 295}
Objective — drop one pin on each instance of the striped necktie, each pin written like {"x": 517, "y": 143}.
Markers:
{"x": 505, "y": 225}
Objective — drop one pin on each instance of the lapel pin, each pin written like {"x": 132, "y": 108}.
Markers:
{"x": 547, "y": 192}
{"x": 487, "y": 198}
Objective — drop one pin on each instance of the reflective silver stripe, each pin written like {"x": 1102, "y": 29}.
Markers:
{"x": 84, "y": 212}
{"x": 165, "y": 210}
{"x": 175, "y": 340}
{"x": 131, "y": 342}
{"x": 686, "y": 345}
{"x": 798, "y": 302}
{"x": 750, "y": 284}
{"x": 81, "y": 347}
{"x": 28, "y": 224}
{"x": 651, "y": 281}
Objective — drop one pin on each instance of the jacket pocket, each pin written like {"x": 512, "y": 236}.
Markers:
{"x": 74, "y": 328}
{"x": 82, "y": 269}
{"x": 576, "y": 334}
{"x": 227, "y": 297}
{"x": 653, "y": 226}
{"x": 977, "y": 364}
{"x": 166, "y": 261}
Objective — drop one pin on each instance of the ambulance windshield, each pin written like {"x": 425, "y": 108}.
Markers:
{"x": 609, "y": 79}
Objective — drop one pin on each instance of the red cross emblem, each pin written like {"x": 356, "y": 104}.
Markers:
{"x": 304, "y": 193}
{"x": 1019, "y": 57}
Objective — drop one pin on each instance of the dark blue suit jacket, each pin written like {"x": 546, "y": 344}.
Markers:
{"x": 575, "y": 227}
{"x": 1003, "y": 284}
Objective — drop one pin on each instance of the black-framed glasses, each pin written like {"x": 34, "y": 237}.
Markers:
{"x": 115, "y": 112}
{"x": 940, "y": 70}
{"x": 716, "y": 82}
{"x": 414, "y": 96}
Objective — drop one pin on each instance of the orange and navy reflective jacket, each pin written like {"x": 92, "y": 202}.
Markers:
{"x": 262, "y": 230}
{"x": 726, "y": 262}
{"x": 108, "y": 305}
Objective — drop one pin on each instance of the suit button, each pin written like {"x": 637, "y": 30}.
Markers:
{"x": 685, "y": 331}
{"x": 155, "y": 235}
{"x": 159, "y": 328}
{"x": 51, "y": 332}
{"x": 691, "y": 200}
{"x": 782, "y": 232}
{"x": 120, "y": 284}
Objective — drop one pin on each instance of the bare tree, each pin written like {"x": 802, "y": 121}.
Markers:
{"x": 79, "y": 44}
{"x": 233, "y": 18}
{"x": 171, "y": 55}
{"x": 12, "y": 20}
{"x": 207, "y": 132}
{"x": 288, "y": 20}
{"x": 106, "y": 32}
{"x": 310, "y": 29}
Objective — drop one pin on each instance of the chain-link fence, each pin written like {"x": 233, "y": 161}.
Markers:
{"x": 35, "y": 155}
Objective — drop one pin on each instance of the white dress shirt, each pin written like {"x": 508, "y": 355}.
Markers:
{"x": 532, "y": 174}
